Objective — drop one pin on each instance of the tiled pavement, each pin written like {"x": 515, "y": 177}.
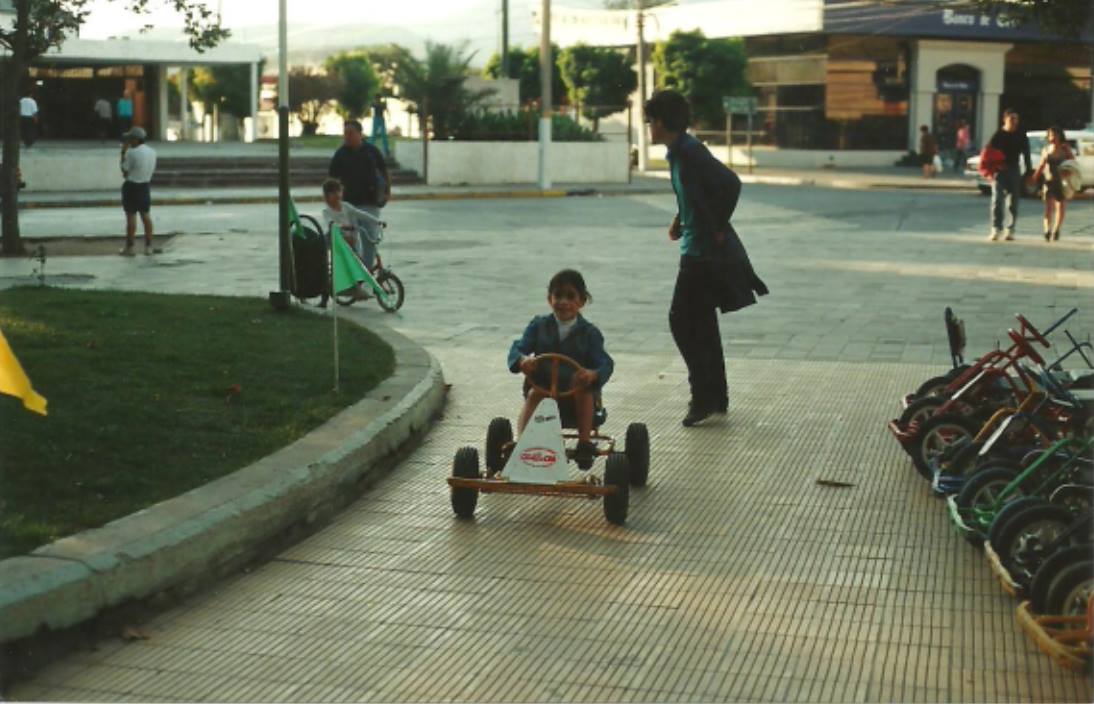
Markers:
{"x": 737, "y": 577}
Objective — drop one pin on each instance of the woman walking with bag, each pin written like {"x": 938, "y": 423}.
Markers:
{"x": 1056, "y": 152}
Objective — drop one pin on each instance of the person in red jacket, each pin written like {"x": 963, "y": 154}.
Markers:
{"x": 1007, "y": 187}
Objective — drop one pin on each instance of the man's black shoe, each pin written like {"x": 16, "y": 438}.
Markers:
{"x": 697, "y": 413}
{"x": 584, "y": 454}
{"x": 722, "y": 408}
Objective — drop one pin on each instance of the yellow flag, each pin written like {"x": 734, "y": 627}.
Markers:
{"x": 14, "y": 381}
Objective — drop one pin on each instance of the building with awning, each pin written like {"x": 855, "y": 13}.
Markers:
{"x": 865, "y": 74}
{"x": 68, "y": 81}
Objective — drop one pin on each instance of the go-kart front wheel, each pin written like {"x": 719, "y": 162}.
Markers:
{"x": 498, "y": 435}
{"x": 616, "y": 473}
{"x": 465, "y": 466}
{"x": 637, "y": 450}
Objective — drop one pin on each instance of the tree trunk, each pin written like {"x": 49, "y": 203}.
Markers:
{"x": 423, "y": 127}
{"x": 13, "y": 69}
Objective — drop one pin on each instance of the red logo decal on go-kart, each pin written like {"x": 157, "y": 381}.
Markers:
{"x": 539, "y": 457}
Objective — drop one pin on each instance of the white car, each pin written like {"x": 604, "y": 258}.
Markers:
{"x": 1080, "y": 141}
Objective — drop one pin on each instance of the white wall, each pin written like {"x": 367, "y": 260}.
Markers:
{"x": 801, "y": 158}
{"x": 496, "y": 163}
{"x": 71, "y": 170}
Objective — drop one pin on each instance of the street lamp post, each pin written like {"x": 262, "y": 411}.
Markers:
{"x": 546, "y": 75}
{"x": 284, "y": 259}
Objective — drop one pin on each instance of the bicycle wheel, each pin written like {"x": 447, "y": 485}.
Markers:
{"x": 393, "y": 287}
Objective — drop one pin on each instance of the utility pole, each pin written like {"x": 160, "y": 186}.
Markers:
{"x": 643, "y": 138}
{"x": 285, "y": 259}
{"x": 546, "y": 76}
{"x": 505, "y": 38}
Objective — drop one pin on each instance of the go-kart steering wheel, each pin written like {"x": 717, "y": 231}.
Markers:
{"x": 556, "y": 361}
{"x": 1025, "y": 347}
{"x": 1028, "y": 326}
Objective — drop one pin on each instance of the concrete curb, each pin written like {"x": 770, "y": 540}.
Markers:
{"x": 183, "y": 543}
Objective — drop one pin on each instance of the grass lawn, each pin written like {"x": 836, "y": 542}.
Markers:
{"x": 151, "y": 395}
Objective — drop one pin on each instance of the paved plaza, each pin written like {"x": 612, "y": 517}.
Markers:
{"x": 737, "y": 576}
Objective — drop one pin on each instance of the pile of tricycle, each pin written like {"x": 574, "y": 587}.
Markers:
{"x": 1008, "y": 440}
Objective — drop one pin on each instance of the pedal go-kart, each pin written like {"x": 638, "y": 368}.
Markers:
{"x": 537, "y": 462}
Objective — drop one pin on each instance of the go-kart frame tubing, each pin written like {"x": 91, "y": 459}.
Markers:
{"x": 1065, "y": 639}
{"x": 499, "y": 485}
{"x": 978, "y": 521}
{"x": 1002, "y": 575}
{"x": 994, "y": 357}
{"x": 981, "y": 381}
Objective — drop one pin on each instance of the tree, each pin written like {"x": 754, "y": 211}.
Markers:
{"x": 524, "y": 66}
{"x": 704, "y": 70}
{"x": 1064, "y": 18}
{"x": 598, "y": 80}
{"x": 227, "y": 86}
{"x": 357, "y": 79}
{"x": 309, "y": 94}
{"x": 39, "y": 26}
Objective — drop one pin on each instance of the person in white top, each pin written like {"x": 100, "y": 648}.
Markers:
{"x": 138, "y": 162}
{"x": 362, "y": 230}
{"x": 104, "y": 116}
{"x": 28, "y": 120}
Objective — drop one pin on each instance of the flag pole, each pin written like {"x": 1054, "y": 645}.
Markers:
{"x": 334, "y": 306}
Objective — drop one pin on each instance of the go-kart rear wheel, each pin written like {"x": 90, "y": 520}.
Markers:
{"x": 498, "y": 435}
{"x": 616, "y": 473}
{"x": 936, "y": 385}
{"x": 920, "y": 410}
{"x": 1071, "y": 589}
{"x": 935, "y": 435}
{"x": 465, "y": 466}
{"x": 1008, "y": 512}
{"x": 1048, "y": 570}
{"x": 637, "y": 450}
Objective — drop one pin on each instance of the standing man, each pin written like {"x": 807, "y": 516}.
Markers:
{"x": 362, "y": 170}
{"x": 104, "y": 117}
{"x": 138, "y": 163}
{"x": 715, "y": 272}
{"x": 1008, "y": 181}
{"x": 28, "y": 120}
{"x": 961, "y": 143}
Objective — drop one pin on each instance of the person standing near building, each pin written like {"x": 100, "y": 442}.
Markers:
{"x": 962, "y": 142}
{"x": 104, "y": 118}
{"x": 379, "y": 124}
{"x": 1006, "y": 189}
{"x": 715, "y": 273}
{"x": 361, "y": 169}
{"x": 125, "y": 113}
{"x": 138, "y": 163}
{"x": 28, "y": 120}
{"x": 928, "y": 148}
{"x": 1056, "y": 152}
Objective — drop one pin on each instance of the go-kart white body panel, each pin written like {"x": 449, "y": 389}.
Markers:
{"x": 540, "y": 454}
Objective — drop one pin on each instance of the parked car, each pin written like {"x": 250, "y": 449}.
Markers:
{"x": 1080, "y": 141}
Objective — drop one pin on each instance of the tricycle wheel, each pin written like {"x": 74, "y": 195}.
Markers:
{"x": 983, "y": 491}
{"x": 465, "y": 466}
{"x": 1026, "y": 537}
{"x": 393, "y": 287}
{"x": 1008, "y": 512}
{"x": 920, "y": 410}
{"x": 616, "y": 473}
{"x": 1047, "y": 572}
{"x": 498, "y": 435}
{"x": 1071, "y": 589}
{"x": 637, "y": 450}
{"x": 935, "y": 435}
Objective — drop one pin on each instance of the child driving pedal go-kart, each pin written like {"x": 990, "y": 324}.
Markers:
{"x": 565, "y": 332}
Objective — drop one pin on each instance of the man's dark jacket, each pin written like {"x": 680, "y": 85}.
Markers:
{"x": 713, "y": 191}
{"x": 360, "y": 173}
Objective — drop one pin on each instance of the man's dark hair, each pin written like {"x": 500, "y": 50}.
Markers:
{"x": 355, "y": 124}
{"x": 569, "y": 277}
{"x": 671, "y": 108}
{"x": 1008, "y": 112}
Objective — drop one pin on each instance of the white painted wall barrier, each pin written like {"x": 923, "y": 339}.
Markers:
{"x": 454, "y": 163}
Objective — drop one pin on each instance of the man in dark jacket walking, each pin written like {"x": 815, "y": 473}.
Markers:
{"x": 1006, "y": 190}
{"x": 366, "y": 183}
{"x": 715, "y": 272}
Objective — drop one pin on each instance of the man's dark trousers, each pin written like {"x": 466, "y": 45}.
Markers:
{"x": 693, "y": 319}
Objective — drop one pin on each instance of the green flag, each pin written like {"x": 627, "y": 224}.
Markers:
{"x": 347, "y": 268}
{"x": 294, "y": 220}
